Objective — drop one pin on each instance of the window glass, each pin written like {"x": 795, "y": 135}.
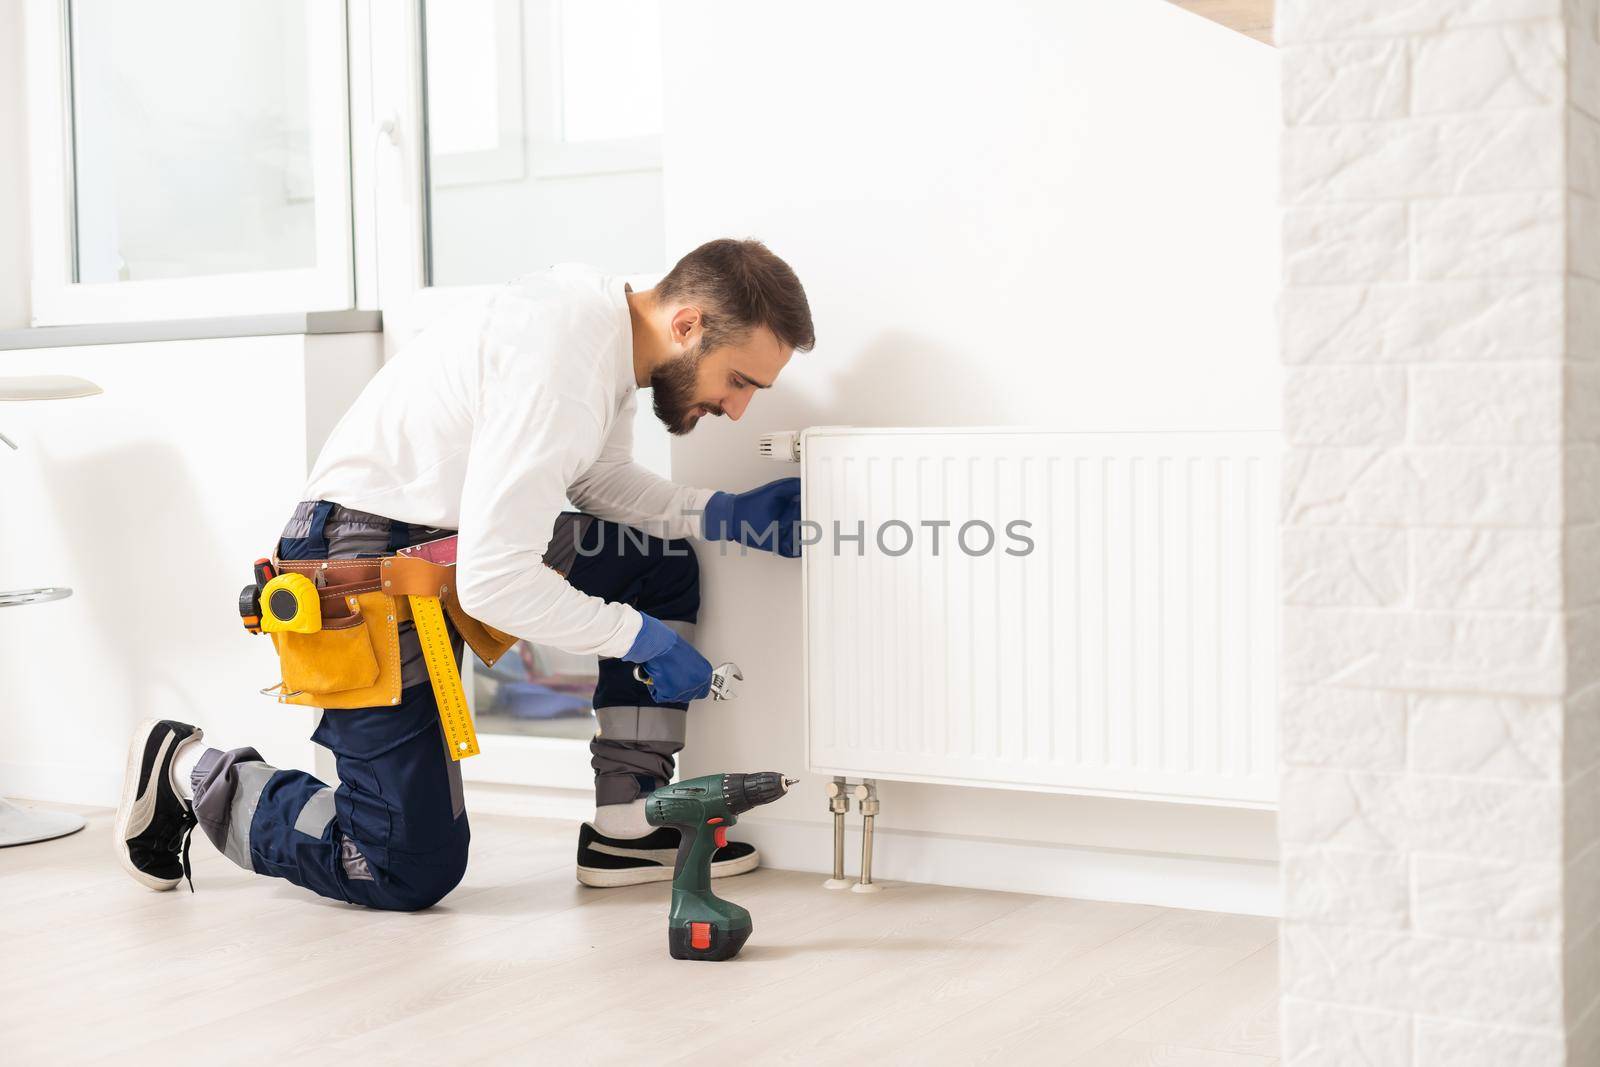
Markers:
{"x": 537, "y": 691}
{"x": 192, "y": 138}
{"x": 610, "y": 69}
{"x": 465, "y": 99}
{"x": 544, "y": 131}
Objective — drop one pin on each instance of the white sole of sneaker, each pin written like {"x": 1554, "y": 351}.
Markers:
{"x": 129, "y": 804}
{"x": 604, "y": 878}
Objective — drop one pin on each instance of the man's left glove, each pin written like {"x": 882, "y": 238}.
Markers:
{"x": 767, "y": 518}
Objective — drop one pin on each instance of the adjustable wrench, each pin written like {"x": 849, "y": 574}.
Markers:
{"x": 723, "y": 675}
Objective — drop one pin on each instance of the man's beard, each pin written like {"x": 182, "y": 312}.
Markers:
{"x": 672, "y": 385}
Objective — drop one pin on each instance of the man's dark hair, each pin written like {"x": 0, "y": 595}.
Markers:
{"x": 740, "y": 286}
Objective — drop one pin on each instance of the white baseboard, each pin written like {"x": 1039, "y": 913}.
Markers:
{"x": 61, "y": 784}
{"x": 1243, "y": 887}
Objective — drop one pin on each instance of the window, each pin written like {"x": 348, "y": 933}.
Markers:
{"x": 201, "y": 165}
{"x": 543, "y": 137}
{"x": 213, "y": 158}
{"x": 475, "y": 127}
{"x": 534, "y": 690}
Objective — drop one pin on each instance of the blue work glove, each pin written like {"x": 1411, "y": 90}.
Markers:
{"x": 677, "y": 673}
{"x": 766, "y": 518}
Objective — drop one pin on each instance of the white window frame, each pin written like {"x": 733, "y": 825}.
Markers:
{"x": 57, "y": 299}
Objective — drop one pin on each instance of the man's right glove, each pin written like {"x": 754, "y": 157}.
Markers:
{"x": 766, "y": 517}
{"x": 678, "y": 673}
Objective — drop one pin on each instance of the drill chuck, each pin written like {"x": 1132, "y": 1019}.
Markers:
{"x": 741, "y": 792}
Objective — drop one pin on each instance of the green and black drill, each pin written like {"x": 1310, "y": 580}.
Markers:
{"x": 701, "y": 925}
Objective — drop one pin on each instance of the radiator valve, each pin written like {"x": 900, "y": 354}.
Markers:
{"x": 783, "y": 446}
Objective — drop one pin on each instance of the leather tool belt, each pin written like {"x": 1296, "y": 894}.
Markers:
{"x": 353, "y": 659}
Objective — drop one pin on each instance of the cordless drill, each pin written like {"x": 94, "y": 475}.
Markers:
{"x": 701, "y": 925}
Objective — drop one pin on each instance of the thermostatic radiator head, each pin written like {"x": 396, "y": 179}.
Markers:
{"x": 783, "y": 446}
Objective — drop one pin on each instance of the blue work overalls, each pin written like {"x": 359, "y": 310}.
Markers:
{"x": 394, "y": 833}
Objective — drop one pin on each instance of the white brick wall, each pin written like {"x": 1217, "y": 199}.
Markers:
{"x": 1441, "y": 532}
{"x": 1580, "y": 766}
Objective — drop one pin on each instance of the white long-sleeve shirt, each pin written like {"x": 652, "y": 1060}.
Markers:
{"x": 488, "y": 422}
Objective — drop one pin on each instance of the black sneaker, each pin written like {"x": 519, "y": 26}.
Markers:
{"x": 613, "y": 861}
{"x": 153, "y": 820}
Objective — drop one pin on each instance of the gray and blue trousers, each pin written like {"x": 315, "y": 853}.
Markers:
{"x": 393, "y": 834}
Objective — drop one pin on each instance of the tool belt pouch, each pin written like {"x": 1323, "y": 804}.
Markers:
{"x": 354, "y": 660}
{"x": 335, "y": 659}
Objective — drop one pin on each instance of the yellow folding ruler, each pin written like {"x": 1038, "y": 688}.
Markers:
{"x": 428, "y": 617}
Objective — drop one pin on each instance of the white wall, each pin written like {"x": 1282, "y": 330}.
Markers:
{"x": 1052, "y": 214}
{"x": 151, "y": 501}
{"x": 14, "y": 264}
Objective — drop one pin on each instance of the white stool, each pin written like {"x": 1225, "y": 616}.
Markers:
{"x": 23, "y": 826}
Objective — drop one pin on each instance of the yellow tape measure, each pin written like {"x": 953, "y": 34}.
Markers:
{"x": 428, "y": 617}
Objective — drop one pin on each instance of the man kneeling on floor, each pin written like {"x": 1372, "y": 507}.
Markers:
{"x": 488, "y": 423}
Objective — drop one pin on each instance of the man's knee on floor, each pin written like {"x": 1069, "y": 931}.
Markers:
{"x": 418, "y": 887}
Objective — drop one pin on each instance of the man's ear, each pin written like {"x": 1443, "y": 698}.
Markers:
{"x": 685, "y": 321}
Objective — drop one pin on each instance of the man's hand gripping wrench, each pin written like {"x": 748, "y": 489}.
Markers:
{"x": 723, "y": 675}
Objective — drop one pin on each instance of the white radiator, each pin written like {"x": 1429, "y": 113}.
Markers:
{"x": 1132, "y": 652}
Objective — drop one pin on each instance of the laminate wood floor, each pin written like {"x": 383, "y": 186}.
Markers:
{"x": 522, "y": 965}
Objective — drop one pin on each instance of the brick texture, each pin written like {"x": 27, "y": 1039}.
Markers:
{"x": 1440, "y": 331}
